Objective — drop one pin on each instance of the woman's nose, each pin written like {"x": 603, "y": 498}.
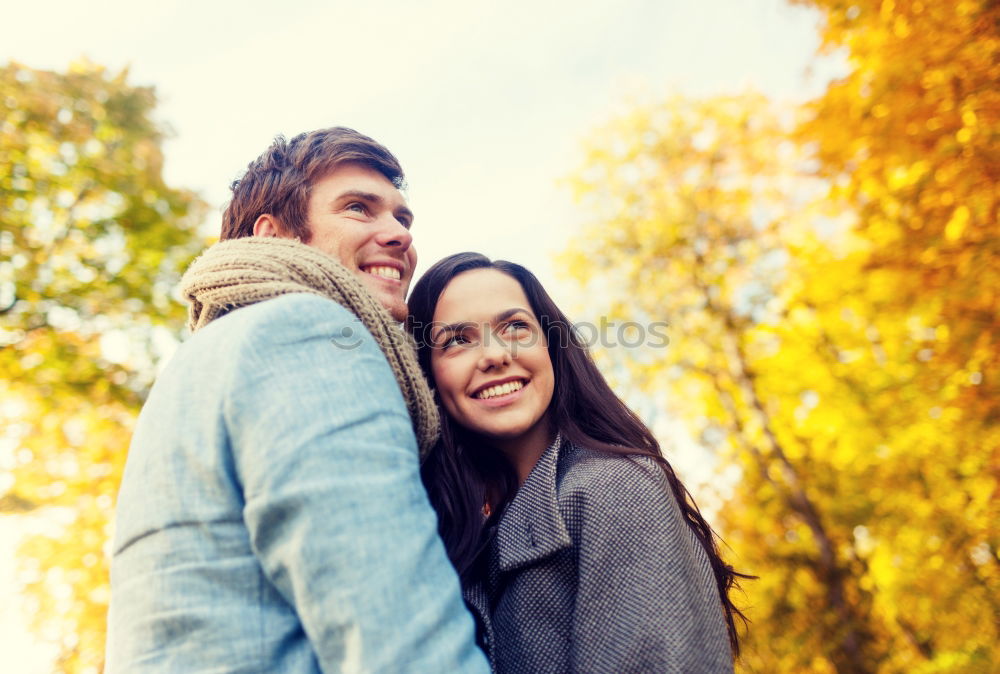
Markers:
{"x": 495, "y": 354}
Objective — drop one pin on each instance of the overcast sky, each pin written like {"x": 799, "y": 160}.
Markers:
{"x": 485, "y": 103}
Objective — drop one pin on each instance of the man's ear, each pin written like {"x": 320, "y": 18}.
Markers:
{"x": 267, "y": 225}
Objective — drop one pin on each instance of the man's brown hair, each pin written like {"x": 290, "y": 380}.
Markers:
{"x": 279, "y": 181}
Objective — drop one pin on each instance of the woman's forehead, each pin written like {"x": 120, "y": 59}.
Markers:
{"x": 478, "y": 296}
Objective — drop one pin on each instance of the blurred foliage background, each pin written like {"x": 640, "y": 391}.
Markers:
{"x": 830, "y": 272}
{"x": 91, "y": 244}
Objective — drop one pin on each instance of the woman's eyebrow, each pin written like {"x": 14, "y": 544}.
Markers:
{"x": 462, "y": 325}
{"x": 451, "y": 327}
{"x": 504, "y": 315}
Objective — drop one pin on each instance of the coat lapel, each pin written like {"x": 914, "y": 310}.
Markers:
{"x": 532, "y": 527}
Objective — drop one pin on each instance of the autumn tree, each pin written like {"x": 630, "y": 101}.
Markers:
{"x": 699, "y": 204}
{"x": 909, "y": 142}
{"x": 833, "y": 334}
{"x": 91, "y": 244}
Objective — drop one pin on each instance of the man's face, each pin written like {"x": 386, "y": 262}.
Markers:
{"x": 359, "y": 218}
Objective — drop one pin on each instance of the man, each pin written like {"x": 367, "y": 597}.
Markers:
{"x": 271, "y": 516}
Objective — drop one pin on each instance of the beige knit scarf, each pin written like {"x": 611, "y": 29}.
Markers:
{"x": 240, "y": 272}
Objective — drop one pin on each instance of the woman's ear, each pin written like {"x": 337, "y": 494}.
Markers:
{"x": 267, "y": 225}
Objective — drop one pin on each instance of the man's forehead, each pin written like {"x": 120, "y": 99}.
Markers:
{"x": 360, "y": 179}
{"x": 357, "y": 168}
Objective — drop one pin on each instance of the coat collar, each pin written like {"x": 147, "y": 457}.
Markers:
{"x": 532, "y": 527}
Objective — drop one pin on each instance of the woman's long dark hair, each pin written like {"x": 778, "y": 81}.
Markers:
{"x": 460, "y": 473}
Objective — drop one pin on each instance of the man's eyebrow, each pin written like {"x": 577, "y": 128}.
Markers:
{"x": 371, "y": 197}
{"x": 359, "y": 194}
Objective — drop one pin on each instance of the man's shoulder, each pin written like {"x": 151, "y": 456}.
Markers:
{"x": 291, "y": 310}
{"x": 223, "y": 346}
{"x": 295, "y": 316}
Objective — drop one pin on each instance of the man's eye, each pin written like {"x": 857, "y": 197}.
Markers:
{"x": 357, "y": 207}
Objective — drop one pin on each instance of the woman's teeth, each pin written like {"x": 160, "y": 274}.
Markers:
{"x": 500, "y": 390}
{"x": 384, "y": 272}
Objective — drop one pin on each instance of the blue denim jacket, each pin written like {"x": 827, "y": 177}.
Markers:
{"x": 271, "y": 516}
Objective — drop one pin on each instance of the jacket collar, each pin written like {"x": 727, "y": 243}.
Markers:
{"x": 532, "y": 527}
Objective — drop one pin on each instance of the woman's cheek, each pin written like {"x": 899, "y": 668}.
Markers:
{"x": 448, "y": 390}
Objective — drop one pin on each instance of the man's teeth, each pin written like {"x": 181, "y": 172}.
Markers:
{"x": 500, "y": 390}
{"x": 384, "y": 272}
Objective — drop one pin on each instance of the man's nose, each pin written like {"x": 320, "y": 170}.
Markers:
{"x": 393, "y": 234}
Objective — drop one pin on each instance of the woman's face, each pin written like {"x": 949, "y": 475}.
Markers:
{"x": 490, "y": 360}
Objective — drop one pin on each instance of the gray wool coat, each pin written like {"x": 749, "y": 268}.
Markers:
{"x": 593, "y": 569}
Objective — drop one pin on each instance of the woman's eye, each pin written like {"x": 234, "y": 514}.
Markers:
{"x": 516, "y": 328}
{"x": 454, "y": 340}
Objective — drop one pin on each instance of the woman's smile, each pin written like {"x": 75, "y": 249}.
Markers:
{"x": 501, "y": 395}
{"x": 491, "y": 361}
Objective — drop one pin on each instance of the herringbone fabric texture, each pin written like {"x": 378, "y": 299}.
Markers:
{"x": 593, "y": 569}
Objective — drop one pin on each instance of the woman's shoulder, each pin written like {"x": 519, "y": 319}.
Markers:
{"x": 591, "y": 473}
{"x": 606, "y": 494}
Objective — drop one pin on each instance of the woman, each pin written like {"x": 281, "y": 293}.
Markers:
{"x": 578, "y": 547}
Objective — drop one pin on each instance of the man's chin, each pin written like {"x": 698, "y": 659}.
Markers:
{"x": 393, "y": 304}
{"x": 397, "y": 309}
{"x": 388, "y": 299}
